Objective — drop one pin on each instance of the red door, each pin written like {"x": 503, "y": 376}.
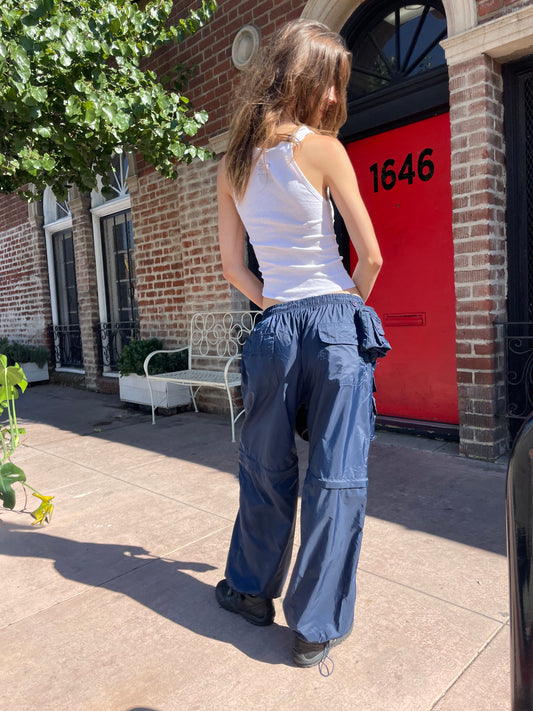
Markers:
{"x": 404, "y": 177}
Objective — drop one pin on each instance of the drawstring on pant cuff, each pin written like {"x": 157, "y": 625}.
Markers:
{"x": 326, "y": 665}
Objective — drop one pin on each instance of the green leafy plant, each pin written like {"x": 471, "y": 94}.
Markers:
{"x": 23, "y": 353}
{"x": 12, "y": 383}
{"x": 75, "y": 90}
{"x": 133, "y": 356}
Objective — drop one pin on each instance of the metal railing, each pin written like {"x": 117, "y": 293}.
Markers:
{"x": 112, "y": 337}
{"x": 518, "y": 339}
{"x": 66, "y": 345}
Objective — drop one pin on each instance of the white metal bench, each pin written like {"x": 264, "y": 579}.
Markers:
{"x": 215, "y": 345}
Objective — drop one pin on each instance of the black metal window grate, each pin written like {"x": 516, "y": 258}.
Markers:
{"x": 518, "y": 332}
{"x": 112, "y": 336}
{"x": 528, "y": 120}
{"x": 518, "y": 340}
{"x": 67, "y": 348}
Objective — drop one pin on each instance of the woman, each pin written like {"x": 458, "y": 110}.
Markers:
{"x": 315, "y": 347}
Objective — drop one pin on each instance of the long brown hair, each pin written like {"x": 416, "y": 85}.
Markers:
{"x": 290, "y": 77}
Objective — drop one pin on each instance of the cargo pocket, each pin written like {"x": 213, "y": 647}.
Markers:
{"x": 370, "y": 334}
{"x": 338, "y": 354}
{"x": 337, "y": 334}
{"x": 341, "y": 431}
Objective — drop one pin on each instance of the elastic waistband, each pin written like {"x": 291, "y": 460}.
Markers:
{"x": 314, "y": 302}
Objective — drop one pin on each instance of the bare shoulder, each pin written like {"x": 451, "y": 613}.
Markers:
{"x": 318, "y": 148}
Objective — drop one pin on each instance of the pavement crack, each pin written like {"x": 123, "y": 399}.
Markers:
{"x": 431, "y": 595}
{"x": 467, "y": 666}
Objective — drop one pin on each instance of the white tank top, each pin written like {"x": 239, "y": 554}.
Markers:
{"x": 290, "y": 225}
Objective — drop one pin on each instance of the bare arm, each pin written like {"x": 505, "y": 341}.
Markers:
{"x": 326, "y": 164}
{"x": 231, "y": 242}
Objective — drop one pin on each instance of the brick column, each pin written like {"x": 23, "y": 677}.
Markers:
{"x": 39, "y": 270}
{"x": 86, "y": 282}
{"x": 478, "y": 192}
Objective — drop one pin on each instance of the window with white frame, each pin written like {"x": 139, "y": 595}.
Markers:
{"x": 119, "y": 267}
{"x": 62, "y": 278}
{"x": 117, "y": 187}
{"x": 114, "y": 250}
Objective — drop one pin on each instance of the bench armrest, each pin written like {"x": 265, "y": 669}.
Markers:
{"x": 153, "y": 353}
{"x": 228, "y": 363}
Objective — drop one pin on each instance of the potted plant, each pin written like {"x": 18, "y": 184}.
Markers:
{"x": 133, "y": 386}
{"x": 32, "y": 359}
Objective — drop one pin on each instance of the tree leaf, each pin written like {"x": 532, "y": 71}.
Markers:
{"x": 72, "y": 89}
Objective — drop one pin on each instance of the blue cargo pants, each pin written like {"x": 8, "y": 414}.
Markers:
{"x": 319, "y": 352}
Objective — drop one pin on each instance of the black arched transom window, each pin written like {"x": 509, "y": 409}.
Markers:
{"x": 398, "y": 68}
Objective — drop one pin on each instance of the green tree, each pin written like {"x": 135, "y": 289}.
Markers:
{"x": 74, "y": 90}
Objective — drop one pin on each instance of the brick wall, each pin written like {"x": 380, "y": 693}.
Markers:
{"x": 478, "y": 192}
{"x": 176, "y": 250}
{"x": 13, "y": 211}
{"x": 24, "y": 295}
{"x": 490, "y": 9}
{"x": 158, "y": 258}
{"x": 210, "y": 52}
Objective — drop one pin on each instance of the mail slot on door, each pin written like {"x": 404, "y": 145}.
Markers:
{"x": 418, "y": 319}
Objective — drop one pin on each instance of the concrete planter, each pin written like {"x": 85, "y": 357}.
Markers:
{"x": 134, "y": 388}
{"x": 35, "y": 373}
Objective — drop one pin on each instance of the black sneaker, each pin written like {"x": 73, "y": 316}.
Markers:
{"x": 309, "y": 654}
{"x": 257, "y": 610}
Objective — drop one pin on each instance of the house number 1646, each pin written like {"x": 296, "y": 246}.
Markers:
{"x": 387, "y": 176}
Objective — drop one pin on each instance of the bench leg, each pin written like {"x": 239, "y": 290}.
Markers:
{"x": 151, "y": 400}
{"x": 193, "y": 393}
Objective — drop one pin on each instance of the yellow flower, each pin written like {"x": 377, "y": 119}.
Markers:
{"x": 44, "y": 512}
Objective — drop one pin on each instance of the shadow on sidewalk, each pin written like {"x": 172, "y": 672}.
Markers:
{"x": 162, "y": 585}
{"x": 440, "y": 494}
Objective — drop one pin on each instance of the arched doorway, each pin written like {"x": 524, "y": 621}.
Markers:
{"x": 398, "y": 138}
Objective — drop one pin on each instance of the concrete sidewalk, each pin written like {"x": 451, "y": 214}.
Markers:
{"x": 111, "y": 607}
